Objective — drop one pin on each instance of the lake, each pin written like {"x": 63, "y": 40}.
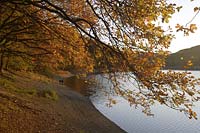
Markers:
{"x": 132, "y": 120}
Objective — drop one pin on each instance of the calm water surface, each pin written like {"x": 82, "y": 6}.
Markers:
{"x": 165, "y": 120}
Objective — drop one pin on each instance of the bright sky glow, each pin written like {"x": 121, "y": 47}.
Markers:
{"x": 183, "y": 17}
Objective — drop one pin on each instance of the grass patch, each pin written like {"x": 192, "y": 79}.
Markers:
{"x": 28, "y": 83}
{"x": 48, "y": 93}
{"x": 7, "y": 84}
{"x": 31, "y": 91}
{"x": 39, "y": 77}
{"x": 10, "y": 86}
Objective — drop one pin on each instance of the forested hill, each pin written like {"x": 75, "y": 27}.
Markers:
{"x": 185, "y": 59}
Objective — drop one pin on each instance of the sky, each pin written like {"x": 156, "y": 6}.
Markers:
{"x": 183, "y": 17}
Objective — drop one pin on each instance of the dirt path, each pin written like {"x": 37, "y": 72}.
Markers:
{"x": 71, "y": 113}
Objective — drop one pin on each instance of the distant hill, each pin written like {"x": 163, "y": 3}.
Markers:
{"x": 181, "y": 58}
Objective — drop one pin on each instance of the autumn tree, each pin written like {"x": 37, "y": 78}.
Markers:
{"x": 126, "y": 37}
{"x": 30, "y": 36}
{"x": 21, "y": 34}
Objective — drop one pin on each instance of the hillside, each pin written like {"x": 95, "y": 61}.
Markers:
{"x": 34, "y": 103}
{"x": 180, "y": 59}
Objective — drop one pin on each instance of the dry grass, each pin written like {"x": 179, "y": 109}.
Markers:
{"x": 27, "y": 83}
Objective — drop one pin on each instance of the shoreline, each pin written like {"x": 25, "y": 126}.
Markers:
{"x": 86, "y": 97}
{"x": 98, "y": 122}
{"x": 70, "y": 113}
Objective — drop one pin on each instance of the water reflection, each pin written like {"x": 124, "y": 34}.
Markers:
{"x": 132, "y": 120}
{"x": 79, "y": 85}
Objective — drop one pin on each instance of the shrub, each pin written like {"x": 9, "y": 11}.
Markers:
{"x": 49, "y": 93}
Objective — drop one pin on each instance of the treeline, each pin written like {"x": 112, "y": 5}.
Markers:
{"x": 33, "y": 39}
